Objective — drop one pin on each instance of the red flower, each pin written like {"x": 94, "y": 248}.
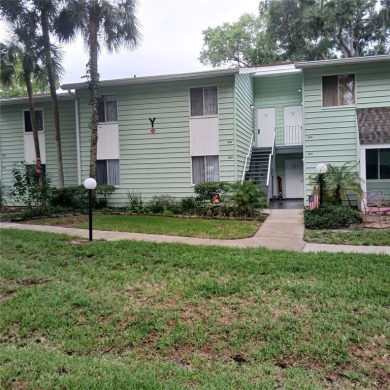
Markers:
{"x": 38, "y": 171}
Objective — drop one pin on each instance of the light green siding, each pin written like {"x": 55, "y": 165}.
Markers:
{"x": 278, "y": 91}
{"x": 331, "y": 133}
{"x": 383, "y": 186}
{"x": 243, "y": 93}
{"x": 12, "y": 140}
{"x": 160, "y": 163}
{"x": 68, "y": 143}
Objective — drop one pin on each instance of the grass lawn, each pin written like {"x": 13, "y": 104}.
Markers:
{"x": 186, "y": 227}
{"x": 137, "y": 315}
{"x": 350, "y": 237}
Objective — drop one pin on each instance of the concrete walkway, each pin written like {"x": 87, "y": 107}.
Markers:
{"x": 283, "y": 229}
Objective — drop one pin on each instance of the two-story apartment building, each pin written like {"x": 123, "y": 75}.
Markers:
{"x": 164, "y": 134}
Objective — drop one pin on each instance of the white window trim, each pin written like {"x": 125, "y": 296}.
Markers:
{"x": 117, "y": 111}
{"x": 363, "y": 172}
{"x": 219, "y": 168}
{"x": 189, "y": 101}
{"x": 345, "y": 107}
{"x": 43, "y": 121}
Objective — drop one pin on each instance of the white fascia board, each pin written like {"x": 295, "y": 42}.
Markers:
{"x": 341, "y": 61}
{"x": 268, "y": 69}
{"x": 277, "y": 72}
{"x": 156, "y": 79}
{"x": 37, "y": 98}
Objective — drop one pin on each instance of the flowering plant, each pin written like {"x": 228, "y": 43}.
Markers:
{"x": 31, "y": 186}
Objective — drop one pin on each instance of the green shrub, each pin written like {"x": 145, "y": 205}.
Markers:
{"x": 76, "y": 197}
{"x": 331, "y": 217}
{"x": 36, "y": 212}
{"x": 72, "y": 197}
{"x": 135, "y": 203}
{"x": 164, "y": 204}
{"x": 103, "y": 195}
{"x": 3, "y": 203}
{"x": 189, "y": 205}
{"x": 244, "y": 200}
{"x": 205, "y": 191}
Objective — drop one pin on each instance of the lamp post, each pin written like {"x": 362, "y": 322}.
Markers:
{"x": 321, "y": 170}
{"x": 90, "y": 185}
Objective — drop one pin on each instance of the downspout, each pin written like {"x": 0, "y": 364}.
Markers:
{"x": 234, "y": 129}
{"x": 76, "y": 108}
{"x": 303, "y": 136}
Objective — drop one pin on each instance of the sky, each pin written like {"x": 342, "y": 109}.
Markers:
{"x": 171, "y": 43}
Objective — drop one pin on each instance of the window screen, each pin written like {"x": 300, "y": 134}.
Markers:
{"x": 384, "y": 161}
{"x": 38, "y": 118}
{"x": 107, "y": 172}
{"x": 107, "y": 109}
{"x": 338, "y": 90}
{"x": 204, "y": 101}
{"x": 205, "y": 169}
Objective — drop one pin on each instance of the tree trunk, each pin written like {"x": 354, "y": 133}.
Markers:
{"x": 383, "y": 28}
{"x": 34, "y": 127}
{"x": 93, "y": 83}
{"x": 53, "y": 93}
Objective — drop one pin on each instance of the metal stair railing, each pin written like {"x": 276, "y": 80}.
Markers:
{"x": 270, "y": 160}
{"x": 246, "y": 158}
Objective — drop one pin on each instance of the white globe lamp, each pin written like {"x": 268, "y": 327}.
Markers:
{"x": 321, "y": 168}
{"x": 90, "y": 184}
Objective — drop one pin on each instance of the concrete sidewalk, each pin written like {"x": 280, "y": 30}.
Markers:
{"x": 283, "y": 229}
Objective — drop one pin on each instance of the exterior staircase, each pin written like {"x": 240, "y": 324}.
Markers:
{"x": 258, "y": 168}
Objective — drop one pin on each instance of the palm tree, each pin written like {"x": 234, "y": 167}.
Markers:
{"x": 39, "y": 11}
{"x": 19, "y": 63}
{"x": 342, "y": 179}
{"x": 101, "y": 23}
{"x": 46, "y": 9}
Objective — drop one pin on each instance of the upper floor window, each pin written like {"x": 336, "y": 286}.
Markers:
{"x": 204, "y": 101}
{"x": 107, "y": 109}
{"x": 338, "y": 90}
{"x": 38, "y": 118}
{"x": 377, "y": 164}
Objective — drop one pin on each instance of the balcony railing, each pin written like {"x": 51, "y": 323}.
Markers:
{"x": 288, "y": 135}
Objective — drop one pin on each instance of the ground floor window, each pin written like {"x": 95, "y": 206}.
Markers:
{"x": 107, "y": 172}
{"x": 378, "y": 164}
{"x": 205, "y": 168}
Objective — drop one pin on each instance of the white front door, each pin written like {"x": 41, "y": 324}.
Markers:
{"x": 294, "y": 178}
{"x": 266, "y": 127}
{"x": 293, "y": 125}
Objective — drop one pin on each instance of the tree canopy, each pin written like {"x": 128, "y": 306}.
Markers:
{"x": 102, "y": 23}
{"x": 300, "y": 30}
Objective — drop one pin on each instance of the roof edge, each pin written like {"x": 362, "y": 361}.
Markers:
{"x": 341, "y": 61}
{"x": 37, "y": 98}
{"x": 158, "y": 78}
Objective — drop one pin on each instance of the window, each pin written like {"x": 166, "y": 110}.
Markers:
{"x": 205, "y": 168}
{"x": 38, "y": 118}
{"x": 377, "y": 164}
{"x": 107, "y": 172}
{"x": 107, "y": 109}
{"x": 204, "y": 101}
{"x": 338, "y": 90}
